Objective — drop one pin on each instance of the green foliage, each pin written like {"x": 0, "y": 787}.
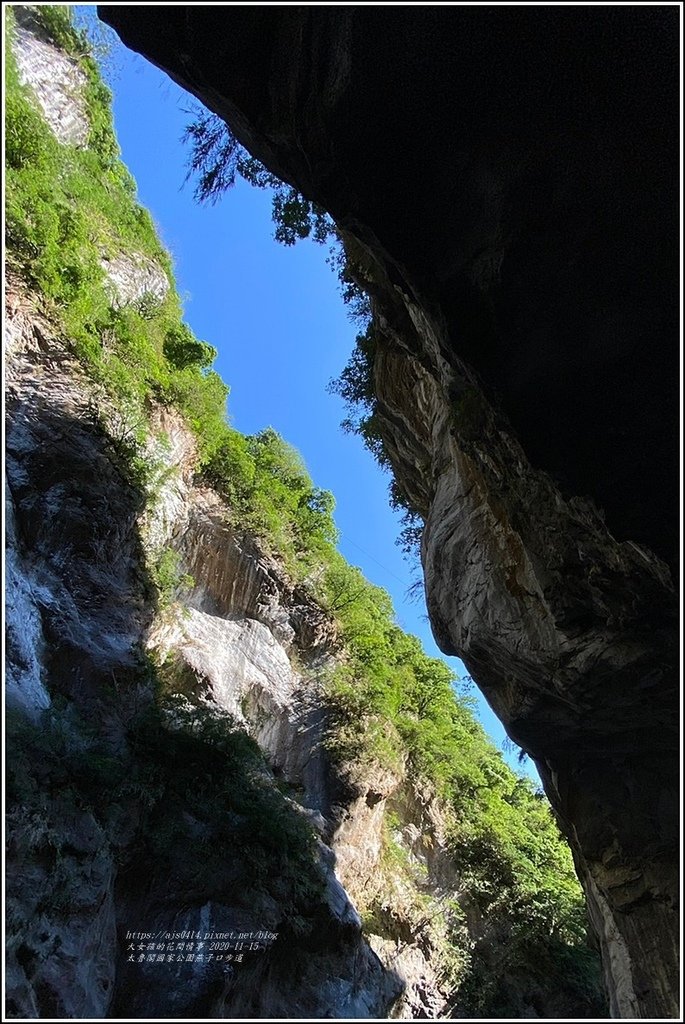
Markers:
{"x": 26, "y": 134}
{"x": 405, "y": 908}
{"x": 389, "y": 702}
{"x": 102, "y": 139}
{"x": 527, "y": 967}
{"x": 167, "y": 576}
{"x": 395, "y": 856}
{"x": 356, "y": 387}
{"x": 231, "y": 470}
{"x": 393, "y": 704}
{"x": 267, "y": 485}
{"x": 67, "y": 209}
{"x": 183, "y": 349}
{"x": 216, "y": 157}
{"x": 57, "y": 23}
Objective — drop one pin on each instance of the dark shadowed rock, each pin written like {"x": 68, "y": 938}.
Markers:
{"x": 508, "y": 176}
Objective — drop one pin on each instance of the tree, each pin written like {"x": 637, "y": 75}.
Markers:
{"x": 216, "y": 157}
{"x": 183, "y": 349}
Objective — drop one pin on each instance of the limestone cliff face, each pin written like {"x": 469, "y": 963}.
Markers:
{"x": 55, "y": 79}
{"x": 88, "y": 860}
{"x": 74, "y": 548}
{"x": 79, "y": 610}
{"x": 507, "y": 178}
{"x": 102, "y": 841}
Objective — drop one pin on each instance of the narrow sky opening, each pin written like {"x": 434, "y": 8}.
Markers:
{"x": 277, "y": 319}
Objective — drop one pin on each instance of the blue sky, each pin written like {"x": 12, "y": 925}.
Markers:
{"x": 275, "y": 315}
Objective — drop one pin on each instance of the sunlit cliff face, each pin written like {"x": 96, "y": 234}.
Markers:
{"x": 503, "y": 174}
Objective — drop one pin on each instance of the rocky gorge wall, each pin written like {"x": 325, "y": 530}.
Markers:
{"x": 168, "y": 718}
{"x": 113, "y": 827}
{"x": 103, "y": 839}
{"x": 501, "y": 206}
{"x": 81, "y": 874}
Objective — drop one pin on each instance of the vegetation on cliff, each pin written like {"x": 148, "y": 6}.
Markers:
{"x": 392, "y": 701}
{"x": 215, "y": 158}
{"x": 68, "y": 209}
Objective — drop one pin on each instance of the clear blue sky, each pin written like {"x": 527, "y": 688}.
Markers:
{"x": 275, "y": 315}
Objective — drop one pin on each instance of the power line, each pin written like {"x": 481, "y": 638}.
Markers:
{"x": 384, "y": 567}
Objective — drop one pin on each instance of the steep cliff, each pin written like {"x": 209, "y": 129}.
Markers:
{"x": 127, "y": 814}
{"x": 508, "y": 178}
{"x": 198, "y": 741}
{"x": 120, "y": 824}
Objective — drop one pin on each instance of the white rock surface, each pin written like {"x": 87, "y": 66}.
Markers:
{"x": 57, "y": 84}
{"x": 132, "y": 276}
{"x": 25, "y": 644}
{"x": 233, "y": 657}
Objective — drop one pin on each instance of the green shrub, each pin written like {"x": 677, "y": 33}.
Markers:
{"x": 26, "y": 134}
{"x": 182, "y": 349}
{"x": 231, "y": 470}
{"x": 57, "y": 22}
{"x": 101, "y": 138}
{"x": 166, "y": 575}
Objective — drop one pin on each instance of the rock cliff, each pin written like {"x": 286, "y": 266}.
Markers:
{"x": 120, "y": 820}
{"x": 508, "y": 178}
{"x": 149, "y": 856}
{"x": 118, "y": 824}
{"x": 171, "y": 769}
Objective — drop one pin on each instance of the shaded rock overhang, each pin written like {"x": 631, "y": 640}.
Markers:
{"x": 511, "y": 173}
{"x": 520, "y": 166}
